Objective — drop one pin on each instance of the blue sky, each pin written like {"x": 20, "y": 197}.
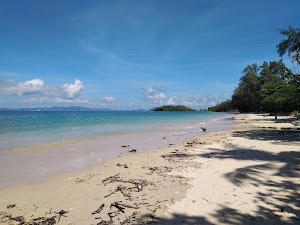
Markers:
{"x": 136, "y": 53}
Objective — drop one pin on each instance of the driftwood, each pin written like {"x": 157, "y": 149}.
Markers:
{"x": 109, "y": 179}
{"x": 43, "y": 221}
{"x": 10, "y": 206}
{"x": 98, "y": 210}
{"x": 139, "y": 184}
{"x": 18, "y": 219}
{"x": 133, "y": 150}
{"x": 127, "y": 205}
{"x": 119, "y": 207}
{"x": 105, "y": 222}
{"x": 61, "y": 213}
{"x": 133, "y": 216}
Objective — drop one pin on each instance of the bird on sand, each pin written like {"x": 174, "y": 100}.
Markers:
{"x": 204, "y": 129}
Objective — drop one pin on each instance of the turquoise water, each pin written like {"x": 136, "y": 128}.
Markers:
{"x": 36, "y": 145}
{"x": 19, "y": 129}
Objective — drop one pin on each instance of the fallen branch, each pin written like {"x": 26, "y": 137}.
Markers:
{"x": 98, "y": 210}
{"x": 116, "y": 205}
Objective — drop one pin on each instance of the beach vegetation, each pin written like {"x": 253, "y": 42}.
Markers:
{"x": 177, "y": 108}
{"x": 225, "y": 106}
{"x": 272, "y": 86}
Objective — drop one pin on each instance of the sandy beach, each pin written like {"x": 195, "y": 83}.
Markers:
{"x": 248, "y": 175}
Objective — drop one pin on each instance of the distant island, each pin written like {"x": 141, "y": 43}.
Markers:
{"x": 173, "y": 108}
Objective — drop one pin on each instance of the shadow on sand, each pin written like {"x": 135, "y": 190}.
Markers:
{"x": 276, "y": 136}
{"x": 278, "y": 205}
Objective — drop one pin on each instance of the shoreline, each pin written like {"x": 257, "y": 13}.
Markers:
{"x": 172, "y": 185}
{"x": 31, "y": 166}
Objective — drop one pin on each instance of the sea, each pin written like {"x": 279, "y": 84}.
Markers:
{"x": 37, "y": 144}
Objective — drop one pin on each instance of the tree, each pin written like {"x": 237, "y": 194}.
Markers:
{"x": 246, "y": 96}
{"x": 273, "y": 69}
{"x": 225, "y": 106}
{"x": 291, "y": 45}
{"x": 177, "y": 108}
{"x": 278, "y": 95}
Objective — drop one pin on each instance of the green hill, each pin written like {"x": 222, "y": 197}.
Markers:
{"x": 174, "y": 108}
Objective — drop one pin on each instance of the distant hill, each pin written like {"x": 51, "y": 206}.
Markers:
{"x": 174, "y": 108}
{"x": 57, "y": 108}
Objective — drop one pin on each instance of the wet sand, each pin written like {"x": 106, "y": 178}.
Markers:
{"x": 36, "y": 163}
{"x": 249, "y": 175}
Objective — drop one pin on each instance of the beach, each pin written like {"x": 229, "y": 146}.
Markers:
{"x": 247, "y": 175}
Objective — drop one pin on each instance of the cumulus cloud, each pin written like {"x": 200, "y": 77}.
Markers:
{"x": 202, "y": 101}
{"x": 109, "y": 99}
{"x": 191, "y": 103}
{"x": 155, "y": 94}
{"x": 35, "y": 91}
{"x": 172, "y": 100}
{"x": 11, "y": 87}
{"x": 73, "y": 90}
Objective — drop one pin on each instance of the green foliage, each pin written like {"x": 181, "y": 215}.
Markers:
{"x": 290, "y": 45}
{"x": 246, "y": 95}
{"x": 271, "y": 87}
{"x": 225, "y": 106}
{"x": 277, "y": 95}
{"x": 176, "y": 108}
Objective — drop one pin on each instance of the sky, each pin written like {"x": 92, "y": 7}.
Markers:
{"x": 134, "y": 54}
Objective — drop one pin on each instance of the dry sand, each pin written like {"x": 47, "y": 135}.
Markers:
{"x": 249, "y": 175}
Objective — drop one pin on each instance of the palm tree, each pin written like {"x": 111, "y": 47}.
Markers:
{"x": 290, "y": 45}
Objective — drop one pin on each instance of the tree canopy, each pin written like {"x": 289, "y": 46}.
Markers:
{"x": 271, "y": 86}
{"x": 173, "y": 108}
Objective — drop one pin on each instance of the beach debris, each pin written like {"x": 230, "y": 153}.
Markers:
{"x": 111, "y": 178}
{"x": 105, "y": 222}
{"x": 119, "y": 207}
{"x": 139, "y": 187}
{"x": 133, "y": 216}
{"x": 133, "y": 150}
{"x": 43, "y": 221}
{"x": 98, "y": 210}
{"x": 125, "y": 166}
{"x": 164, "y": 137}
{"x": 125, "y": 146}
{"x": 61, "y": 213}
{"x": 10, "y": 206}
{"x": 18, "y": 219}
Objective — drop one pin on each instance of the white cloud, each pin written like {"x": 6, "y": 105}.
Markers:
{"x": 35, "y": 91}
{"x": 109, "y": 99}
{"x": 191, "y": 103}
{"x": 154, "y": 93}
{"x": 10, "y": 87}
{"x": 172, "y": 101}
{"x": 158, "y": 96}
{"x": 73, "y": 90}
